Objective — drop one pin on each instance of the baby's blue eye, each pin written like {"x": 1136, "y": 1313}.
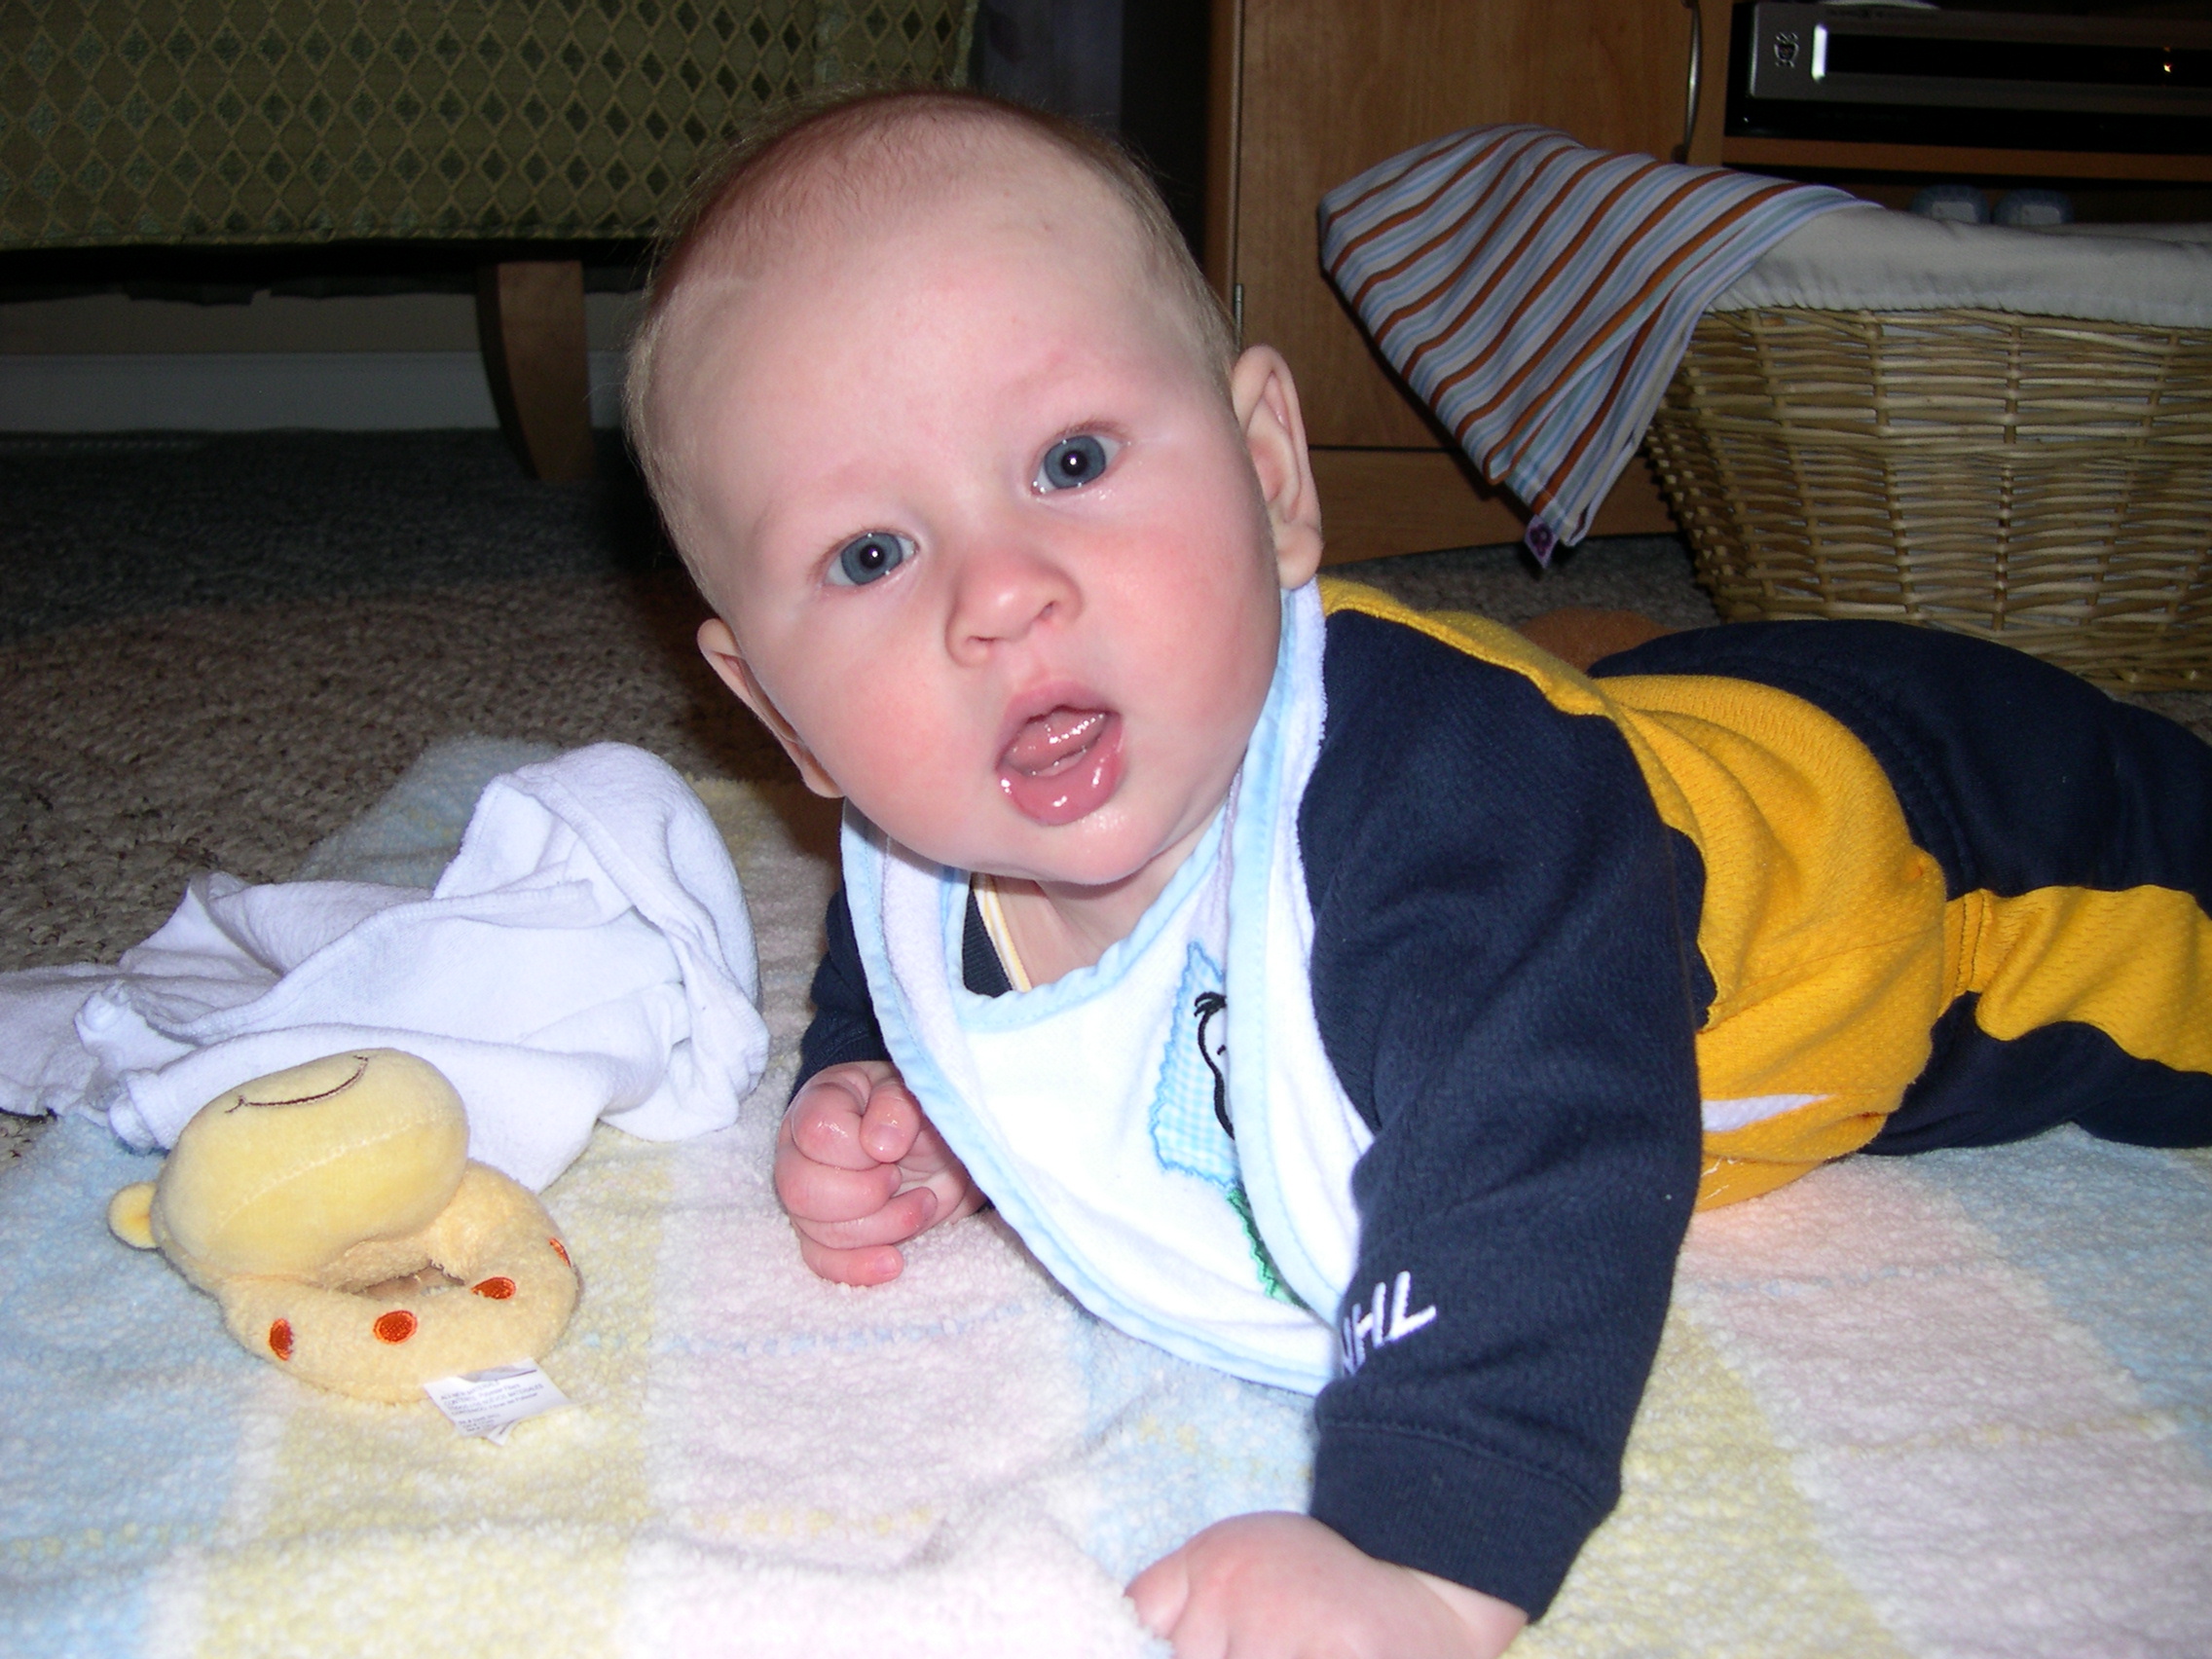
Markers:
{"x": 867, "y": 557}
{"x": 1073, "y": 462}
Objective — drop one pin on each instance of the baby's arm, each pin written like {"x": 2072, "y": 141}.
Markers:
{"x": 860, "y": 1170}
{"x": 1281, "y": 1586}
{"x": 1501, "y": 981}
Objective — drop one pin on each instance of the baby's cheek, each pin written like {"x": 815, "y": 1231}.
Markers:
{"x": 917, "y": 789}
{"x": 1221, "y": 675}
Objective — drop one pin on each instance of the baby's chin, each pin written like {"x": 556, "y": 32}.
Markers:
{"x": 1096, "y": 855}
{"x": 1134, "y": 833}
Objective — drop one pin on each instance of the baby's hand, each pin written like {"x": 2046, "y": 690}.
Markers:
{"x": 861, "y": 1172}
{"x": 1280, "y": 1586}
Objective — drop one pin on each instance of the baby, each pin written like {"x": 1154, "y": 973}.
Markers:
{"x": 1356, "y": 1000}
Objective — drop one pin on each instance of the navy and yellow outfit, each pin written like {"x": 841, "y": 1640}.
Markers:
{"x": 1589, "y": 949}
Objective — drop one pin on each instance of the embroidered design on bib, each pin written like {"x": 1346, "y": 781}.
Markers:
{"x": 1192, "y": 1131}
{"x": 1190, "y": 1110}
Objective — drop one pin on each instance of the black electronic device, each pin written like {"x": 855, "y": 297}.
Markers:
{"x": 2017, "y": 79}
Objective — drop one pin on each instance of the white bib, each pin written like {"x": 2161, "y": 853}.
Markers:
{"x": 1091, "y": 1110}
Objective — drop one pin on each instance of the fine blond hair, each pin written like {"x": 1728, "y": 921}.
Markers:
{"x": 843, "y": 151}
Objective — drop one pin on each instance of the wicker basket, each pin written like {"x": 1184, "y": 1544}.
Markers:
{"x": 2040, "y": 481}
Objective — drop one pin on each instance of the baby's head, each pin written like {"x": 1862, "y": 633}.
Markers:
{"x": 949, "y": 431}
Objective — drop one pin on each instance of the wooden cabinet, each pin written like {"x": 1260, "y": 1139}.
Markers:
{"x": 1308, "y": 93}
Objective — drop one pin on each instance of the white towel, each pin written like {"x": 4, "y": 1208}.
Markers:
{"x": 587, "y": 954}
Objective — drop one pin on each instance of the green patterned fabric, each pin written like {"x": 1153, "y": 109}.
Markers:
{"x": 302, "y": 120}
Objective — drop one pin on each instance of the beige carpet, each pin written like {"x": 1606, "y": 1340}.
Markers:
{"x": 137, "y": 752}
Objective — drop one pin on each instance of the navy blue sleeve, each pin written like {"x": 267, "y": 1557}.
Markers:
{"x": 843, "y": 1027}
{"x": 1503, "y": 988}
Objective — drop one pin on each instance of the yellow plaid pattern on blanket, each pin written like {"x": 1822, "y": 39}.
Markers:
{"x": 302, "y": 120}
{"x": 2004, "y": 1350}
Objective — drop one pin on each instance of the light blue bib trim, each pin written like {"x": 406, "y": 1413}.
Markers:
{"x": 1263, "y": 816}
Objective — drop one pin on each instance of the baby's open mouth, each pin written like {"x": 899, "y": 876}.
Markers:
{"x": 1063, "y": 763}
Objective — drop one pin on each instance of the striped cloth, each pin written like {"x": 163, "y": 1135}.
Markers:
{"x": 1537, "y": 294}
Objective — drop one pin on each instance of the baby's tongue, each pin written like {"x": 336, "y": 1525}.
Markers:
{"x": 1062, "y": 764}
{"x": 1051, "y": 741}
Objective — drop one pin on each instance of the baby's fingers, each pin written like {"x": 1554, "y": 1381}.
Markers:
{"x": 1161, "y": 1593}
{"x": 817, "y": 1192}
{"x": 893, "y": 1123}
{"x": 892, "y": 1223}
{"x": 878, "y": 1264}
{"x": 862, "y": 1251}
{"x": 823, "y": 1124}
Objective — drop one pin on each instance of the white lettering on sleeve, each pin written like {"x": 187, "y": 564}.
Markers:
{"x": 1402, "y": 1323}
{"x": 1383, "y": 1320}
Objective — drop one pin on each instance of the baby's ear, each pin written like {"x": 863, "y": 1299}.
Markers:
{"x": 718, "y": 645}
{"x": 1265, "y": 398}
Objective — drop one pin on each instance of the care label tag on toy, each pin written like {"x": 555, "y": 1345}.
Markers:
{"x": 489, "y": 1403}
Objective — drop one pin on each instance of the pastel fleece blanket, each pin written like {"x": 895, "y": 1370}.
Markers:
{"x": 1958, "y": 1405}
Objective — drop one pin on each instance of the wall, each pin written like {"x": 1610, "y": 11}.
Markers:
{"x": 106, "y": 363}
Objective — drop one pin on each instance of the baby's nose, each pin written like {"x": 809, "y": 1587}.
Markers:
{"x": 1004, "y": 592}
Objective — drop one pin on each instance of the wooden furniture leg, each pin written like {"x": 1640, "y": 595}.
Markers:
{"x": 529, "y": 324}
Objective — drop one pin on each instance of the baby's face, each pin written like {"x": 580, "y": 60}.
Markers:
{"x": 991, "y": 546}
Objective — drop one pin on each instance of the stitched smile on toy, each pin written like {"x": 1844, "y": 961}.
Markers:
{"x": 1062, "y": 762}
{"x": 360, "y": 1066}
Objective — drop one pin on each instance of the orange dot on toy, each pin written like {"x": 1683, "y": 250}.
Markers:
{"x": 395, "y": 1327}
{"x": 498, "y": 1289}
{"x": 281, "y": 1339}
{"x": 558, "y": 1251}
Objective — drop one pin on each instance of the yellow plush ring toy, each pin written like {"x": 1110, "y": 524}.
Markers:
{"x": 333, "y": 1213}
